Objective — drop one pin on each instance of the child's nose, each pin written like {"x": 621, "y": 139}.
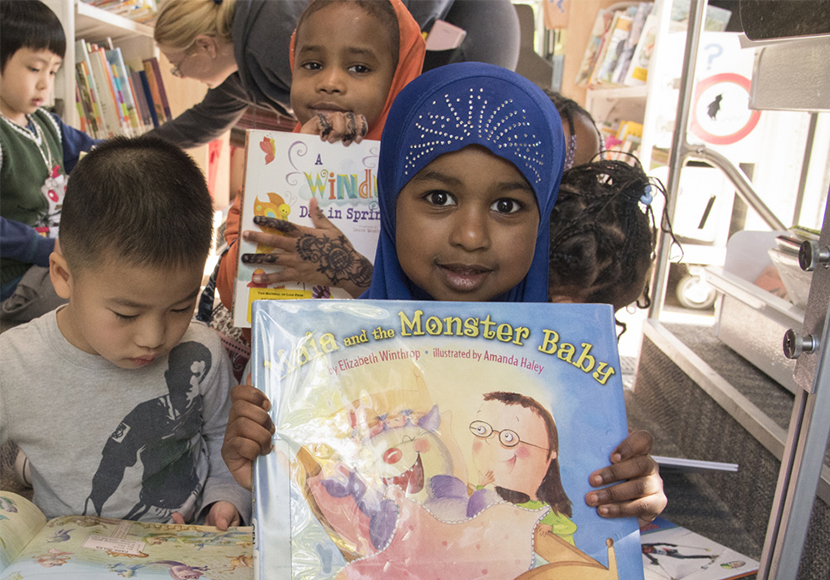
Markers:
{"x": 331, "y": 81}
{"x": 151, "y": 333}
{"x": 470, "y": 231}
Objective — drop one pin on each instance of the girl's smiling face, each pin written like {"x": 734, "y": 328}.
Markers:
{"x": 516, "y": 448}
{"x": 466, "y": 226}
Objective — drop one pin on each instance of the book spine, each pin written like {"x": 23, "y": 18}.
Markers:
{"x": 154, "y": 90}
{"x": 106, "y": 95}
{"x": 162, "y": 93}
{"x": 148, "y": 96}
{"x": 119, "y": 70}
{"x": 90, "y": 124}
{"x": 93, "y": 99}
{"x": 141, "y": 101}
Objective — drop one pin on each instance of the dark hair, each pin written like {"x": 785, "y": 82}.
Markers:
{"x": 380, "y": 9}
{"x": 569, "y": 110}
{"x": 143, "y": 200}
{"x": 30, "y": 24}
{"x": 550, "y": 490}
{"x": 603, "y": 233}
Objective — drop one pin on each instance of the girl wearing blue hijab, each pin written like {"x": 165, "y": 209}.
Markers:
{"x": 470, "y": 162}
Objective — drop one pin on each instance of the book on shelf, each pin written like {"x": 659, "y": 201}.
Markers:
{"x": 643, "y": 10}
{"x": 437, "y": 440}
{"x": 151, "y": 67}
{"x": 123, "y": 83}
{"x": 148, "y": 98}
{"x": 114, "y": 99}
{"x": 613, "y": 44}
{"x": 672, "y": 551}
{"x": 589, "y": 59}
{"x": 100, "y": 86}
{"x": 142, "y": 11}
{"x": 82, "y": 547}
{"x": 637, "y": 73}
{"x": 283, "y": 172}
{"x": 617, "y": 34}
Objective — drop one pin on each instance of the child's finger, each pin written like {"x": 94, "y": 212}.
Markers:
{"x": 324, "y": 126}
{"x": 250, "y": 394}
{"x": 318, "y": 218}
{"x": 177, "y": 518}
{"x": 636, "y": 467}
{"x": 282, "y": 226}
{"x": 637, "y": 443}
{"x": 352, "y": 128}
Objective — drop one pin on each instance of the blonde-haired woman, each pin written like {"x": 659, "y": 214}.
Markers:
{"x": 239, "y": 48}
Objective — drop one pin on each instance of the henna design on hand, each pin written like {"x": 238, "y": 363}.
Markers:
{"x": 282, "y": 226}
{"x": 259, "y": 258}
{"x": 324, "y": 125}
{"x": 351, "y": 128}
{"x": 337, "y": 258}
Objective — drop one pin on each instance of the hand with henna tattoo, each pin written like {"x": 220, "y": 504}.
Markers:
{"x": 333, "y": 127}
{"x": 319, "y": 255}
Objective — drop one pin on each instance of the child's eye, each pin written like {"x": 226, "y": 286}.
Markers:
{"x": 34, "y": 69}
{"x": 506, "y": 206}
{"x": 312, "y": 65}
{"x": 359, "y": 68}
{"x": 125, "y": 317}
{"x": 439, "y": 198}
{"x": 186, "y": 310}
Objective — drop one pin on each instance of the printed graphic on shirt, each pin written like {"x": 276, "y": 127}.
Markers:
{"x": 163, "y": 435}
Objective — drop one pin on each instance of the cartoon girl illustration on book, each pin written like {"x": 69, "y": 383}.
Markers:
{"x": 516, "y": 450}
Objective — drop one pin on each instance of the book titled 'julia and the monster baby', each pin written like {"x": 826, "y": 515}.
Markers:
{"x": 437, "y": 440}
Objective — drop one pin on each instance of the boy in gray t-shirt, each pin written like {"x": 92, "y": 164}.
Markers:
{"x": 118, "y": 399}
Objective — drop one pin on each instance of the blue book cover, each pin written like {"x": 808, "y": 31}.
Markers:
{"x": 148, "y": 95}
{"x": 430, "y": 440}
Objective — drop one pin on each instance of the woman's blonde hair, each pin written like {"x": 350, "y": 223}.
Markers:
{"x": 179, "y": 22}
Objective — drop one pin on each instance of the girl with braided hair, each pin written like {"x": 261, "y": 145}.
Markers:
{"x": 604, "y": 234}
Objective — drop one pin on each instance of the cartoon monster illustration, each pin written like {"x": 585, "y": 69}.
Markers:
{"x": 53, "y": 558}
{"x": 269, "y": 148}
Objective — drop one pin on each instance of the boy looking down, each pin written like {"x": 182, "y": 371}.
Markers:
{"x": 118, "y": 399}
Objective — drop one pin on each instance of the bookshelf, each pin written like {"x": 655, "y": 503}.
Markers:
{"x": 84, "y": 21}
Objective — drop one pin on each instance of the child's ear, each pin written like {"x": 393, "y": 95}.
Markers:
{"x": 59, "y": 272}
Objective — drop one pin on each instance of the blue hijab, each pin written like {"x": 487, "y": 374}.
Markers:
{"x": 445, "y": 110}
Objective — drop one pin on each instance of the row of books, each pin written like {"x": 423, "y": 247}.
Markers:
{"x": 112, "y": 98}
{"x": 142, "y": 11}
{"x": 621, "y": 140}
{"x": 619, "y": 47}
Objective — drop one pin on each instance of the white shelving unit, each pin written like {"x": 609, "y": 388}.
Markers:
{"x": 81, "y": 20}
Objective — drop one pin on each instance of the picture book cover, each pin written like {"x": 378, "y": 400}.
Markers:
{"x": 672, "y": 552}
{"x": 429, "y": 440}
{"x": 96, "y": 548}
{"x": 283, "y": 171}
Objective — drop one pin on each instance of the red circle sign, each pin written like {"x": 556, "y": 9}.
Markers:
{"x": 721, "y": 113}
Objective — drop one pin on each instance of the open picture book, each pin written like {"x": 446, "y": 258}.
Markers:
{"x": 437, "y": 440}
{"x": 93, "y": 548}
{"x": 283, "y": 172}
{"x": 674, "y": 552}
